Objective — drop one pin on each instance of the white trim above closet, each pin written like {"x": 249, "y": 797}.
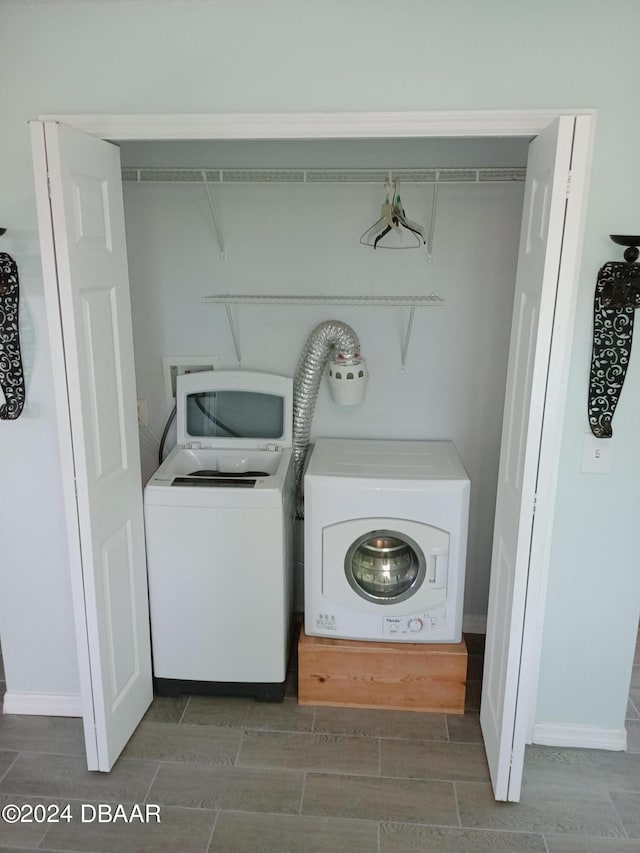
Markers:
{"x": 347, "y": 125}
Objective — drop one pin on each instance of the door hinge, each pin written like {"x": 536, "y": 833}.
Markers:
{"x": 535, "y": 503}
{"x": 48, "y": 184}
{"x": 568, "y": 192}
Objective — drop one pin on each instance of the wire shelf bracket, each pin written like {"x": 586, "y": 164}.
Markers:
{"x": 218, "y": 230}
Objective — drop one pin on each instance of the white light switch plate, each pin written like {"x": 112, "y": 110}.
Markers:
{"x": 596, "y": 455}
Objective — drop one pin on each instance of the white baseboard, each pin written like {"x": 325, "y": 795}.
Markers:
{"x": 583, "y": 737}
{"x": 474, "y": 624}
{"x": 43, "y": 704}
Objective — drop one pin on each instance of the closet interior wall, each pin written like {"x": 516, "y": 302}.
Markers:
{"x": 303, "y": 239}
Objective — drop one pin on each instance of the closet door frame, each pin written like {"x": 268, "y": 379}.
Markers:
{"x": 406, "y": 125}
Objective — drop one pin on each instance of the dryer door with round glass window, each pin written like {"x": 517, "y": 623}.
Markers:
{"x": 385, "y": 566}
{"x": 398, "y": 564}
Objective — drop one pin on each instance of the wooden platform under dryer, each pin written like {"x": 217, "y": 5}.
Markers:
{"x": 398, "y": 676}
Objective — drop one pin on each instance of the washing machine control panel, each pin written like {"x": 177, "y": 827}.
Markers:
{"x": 419, "y": 623}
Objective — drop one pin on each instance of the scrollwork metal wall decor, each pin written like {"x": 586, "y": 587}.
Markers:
{"x": 11, "y": 374}
{"x": 616, "y": 298}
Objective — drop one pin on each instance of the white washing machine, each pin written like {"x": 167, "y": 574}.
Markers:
{"x": 385, "y": 540}
{"x": 219, "y": 515}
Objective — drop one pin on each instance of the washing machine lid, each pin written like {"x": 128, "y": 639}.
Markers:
{"x": 230, "y": 409}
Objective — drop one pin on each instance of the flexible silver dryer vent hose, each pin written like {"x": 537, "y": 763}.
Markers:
{"x": 330, "y": 336}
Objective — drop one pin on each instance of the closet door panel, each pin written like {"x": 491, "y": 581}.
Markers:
{"x": 539, "y": 258}
{"x": 106, "y": 536}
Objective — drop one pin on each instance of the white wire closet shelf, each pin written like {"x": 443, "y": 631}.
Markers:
{"x": 431, "y": 300}
{"x": 209, "y": 175}
{"x": 151, "y": 174}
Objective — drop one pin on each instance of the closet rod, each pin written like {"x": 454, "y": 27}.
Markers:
{"x": 311, "y": 176}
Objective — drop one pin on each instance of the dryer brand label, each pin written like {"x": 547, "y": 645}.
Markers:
{"x": 326, "y": 622}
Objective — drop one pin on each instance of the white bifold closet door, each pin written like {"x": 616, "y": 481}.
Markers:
{"x": 539, "y": 259}
{"x": 81, "y": 219}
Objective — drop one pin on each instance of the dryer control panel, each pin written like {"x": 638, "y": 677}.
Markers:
{"x": 419, "y": 623}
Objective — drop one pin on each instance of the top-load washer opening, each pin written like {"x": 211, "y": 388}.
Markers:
{"x": 221, "y": 468}
{"x": 234, "y": 431}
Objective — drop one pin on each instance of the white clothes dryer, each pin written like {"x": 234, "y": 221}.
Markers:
{"x": 219, "y": 516}
{"x": 385, "y": 540}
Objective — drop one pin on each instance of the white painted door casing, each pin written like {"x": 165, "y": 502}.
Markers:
{"x": 86, "y": 220}
{"x": 539, "y": 260}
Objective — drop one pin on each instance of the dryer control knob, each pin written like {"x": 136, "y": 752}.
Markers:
{"x": 415, "y": 624}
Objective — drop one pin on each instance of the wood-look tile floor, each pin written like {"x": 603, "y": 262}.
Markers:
{"x": 234, "y": 775}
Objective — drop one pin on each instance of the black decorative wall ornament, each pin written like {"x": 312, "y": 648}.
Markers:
{"x": 616, "y": 298}
{"x": 11, "y": 374}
